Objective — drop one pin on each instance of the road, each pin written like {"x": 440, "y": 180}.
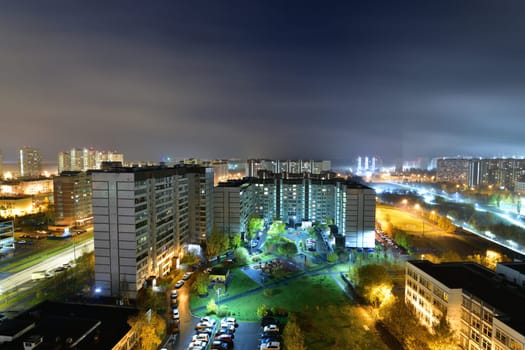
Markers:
{"x": 17, "y": 279}
{"x": 492, "y": 237}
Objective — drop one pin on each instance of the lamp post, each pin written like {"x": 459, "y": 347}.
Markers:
{"x": 420, "y": 211}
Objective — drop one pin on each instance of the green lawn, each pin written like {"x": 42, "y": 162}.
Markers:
{"x": 297, "y": 295}
{"x": 239, "y": 283}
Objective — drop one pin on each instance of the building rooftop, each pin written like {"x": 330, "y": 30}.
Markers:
{"x": 87, "y": 326}
{"x": 518, "y": 266}
{"x": 484, "y": 284}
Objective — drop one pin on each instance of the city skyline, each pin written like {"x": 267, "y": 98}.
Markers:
{"x": 290, "y": 80}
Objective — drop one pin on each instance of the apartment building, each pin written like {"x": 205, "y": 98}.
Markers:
{"x": 482, "y": 308}
{"x": 351, "y": 206}
{"x": 84, "y": 159}
{"x": 30, "y": 162}
{"x": 72, "y": 195}
{"x": 143, "y": 216}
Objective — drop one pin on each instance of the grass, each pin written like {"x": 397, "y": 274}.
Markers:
{"x": 304, "y": 293}
{"x": 239, "y": 283}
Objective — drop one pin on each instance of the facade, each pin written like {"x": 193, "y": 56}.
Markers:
{"x": 84, "y": 159}
{"x": 72, "y": 196}
{"x": 200, "y": 200}
{"x": 232, "y": 205}
{"x": 482, "y": 172}
{"x": 349, "y": 205}
{"x": 453, "y": 170}
{"x": 513, "y": 272}
{"x": 142, "y": 219}
{"x": 30, "y": 162}
{"x": 18, "y": 205}
{"x": 287, "y": 166}
{"x": 36, "y": 186}
{"x": 7, "y": 234}
{"x": 482, "y": 308}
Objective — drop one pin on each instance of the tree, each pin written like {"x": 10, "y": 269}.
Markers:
{"x": 332, "y": 257}
{"x": 235, "y": 240}
{"x": 211, "y": 307}
{"x": 277, "y": 227}
{"x": 200, "y": 285}
{"x": 242, "y": 257}
{"x": 255, "y": 224}
{"x": 293, "y": 337}
{"x": 149, "y": 329}
{"x": 375, "y": 284}
{"x": 262, "y": 310}
{"x": 217, "y": 243}
{"x": 287, "y": 248}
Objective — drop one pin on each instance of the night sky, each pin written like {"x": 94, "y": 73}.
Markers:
{"x": 275, "y": 79}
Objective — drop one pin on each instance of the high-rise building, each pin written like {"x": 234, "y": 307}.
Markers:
{"x": 84, "y": 159}
{"x": 233, "y": 204}
{"x": 30, "y": 162}
{"x": 143, "y": 216}
{"x": 349, "y": 205}
{"x": 72, "y": 195}
{"x": 200, "y": 200}
{"x": 255, "y": 166}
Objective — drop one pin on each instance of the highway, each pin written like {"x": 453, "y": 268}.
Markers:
{"x": 17, "y": 279}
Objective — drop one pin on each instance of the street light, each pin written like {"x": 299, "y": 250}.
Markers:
{"x": 420, "y": 210}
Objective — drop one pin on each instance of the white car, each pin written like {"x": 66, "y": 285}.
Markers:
{"x": 203, "y": 337}
{"x": 187, "y": 276}
{"x": 229, "y": 320}
{"x": 273, "y": 345}
{"x": 174, "y": 294}
{"x": 176, "y": 314}
{"x": 209, "y": 320}
{"x": 179, "y": 284}
{"x": 271, "y": 328}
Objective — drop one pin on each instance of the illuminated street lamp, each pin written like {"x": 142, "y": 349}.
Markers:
{"x": 419, "y": 210}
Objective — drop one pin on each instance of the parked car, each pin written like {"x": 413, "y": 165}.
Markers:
{"x": 176, "y": 314}
{"x": 228, "y": 326}
{"x": 274, "y": 345}
{"x": 202, "y": 337}
{"x": 187, "y": 276}
{"x": 179, "y": 284}
{"x": 265, "y": 321}
{"x": 208, "y": 331}
{"x": 271, "y": 328}
{"x": 219, "y": 345}
{"x": 226, "y": 338}
{"x": 229, "y": 320}
{"x": 174, "y": 294}
{"x": 226, "y": 331}
{"x": 201, "y": 325}
{"x": 209, "y": 320}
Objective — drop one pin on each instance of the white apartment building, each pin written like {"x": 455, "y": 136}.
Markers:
{"x": 30, "y": 162}
{"x": 351, "y": 206}
{"x": 483, "y": 309}
{"x": 143, "y": 216}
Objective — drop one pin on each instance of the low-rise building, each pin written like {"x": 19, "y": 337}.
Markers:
{"x": 481, "y": 307}
{"x": 52, "y": 325}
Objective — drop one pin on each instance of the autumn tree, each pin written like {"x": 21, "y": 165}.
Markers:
{"x": 293, "y": 337}
{"x": 149, "y": 328}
